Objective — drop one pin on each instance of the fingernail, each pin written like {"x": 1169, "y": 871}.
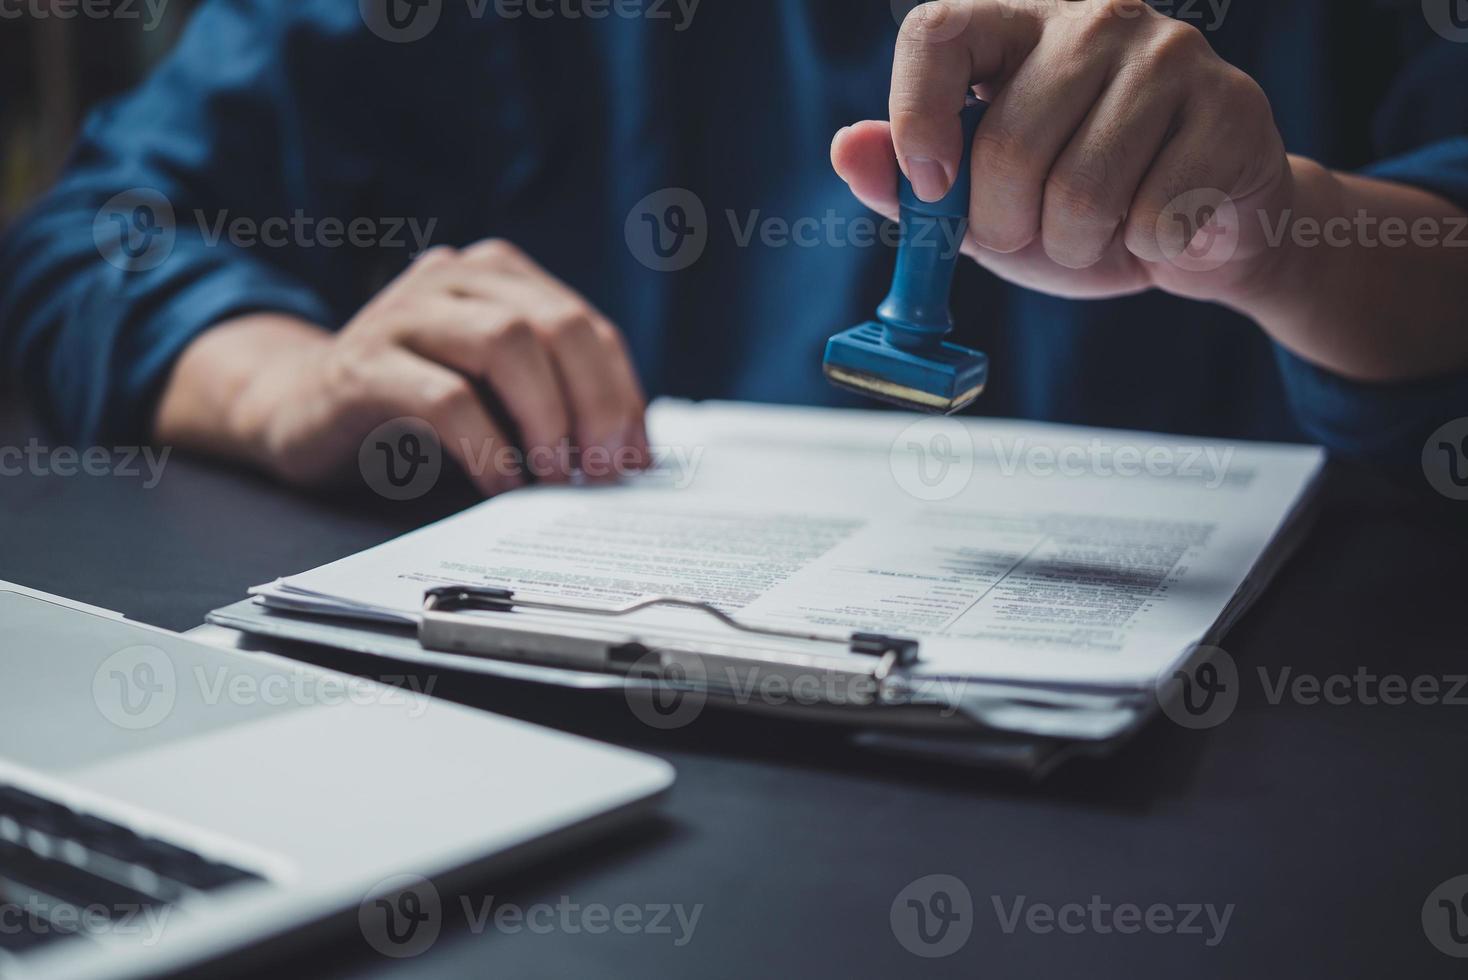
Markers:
{"x": 929, "y": 179}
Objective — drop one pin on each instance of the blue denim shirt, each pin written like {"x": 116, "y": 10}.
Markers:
{"x": 275, "y": 123}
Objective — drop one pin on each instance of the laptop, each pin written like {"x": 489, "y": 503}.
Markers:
{"x": 164, "y": 803}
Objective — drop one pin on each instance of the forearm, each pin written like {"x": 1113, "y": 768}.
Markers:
{"x": 222, "y": 386}
{"x": 1365, "y": 278}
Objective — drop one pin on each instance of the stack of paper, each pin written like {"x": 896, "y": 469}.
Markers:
{"x": 1052, "y": 574}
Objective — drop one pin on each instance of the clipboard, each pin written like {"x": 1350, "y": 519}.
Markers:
{"x": 1001, "y": 725}
{"x": 890, "y": 694}
{"x": 1010, "y": 726}
{"x": 446, "y": 626}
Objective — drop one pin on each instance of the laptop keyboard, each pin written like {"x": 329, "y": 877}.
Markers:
{"x": 52, "y": 855}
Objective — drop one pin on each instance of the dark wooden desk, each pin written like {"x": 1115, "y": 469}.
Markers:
{"x": 1326, "y": 827}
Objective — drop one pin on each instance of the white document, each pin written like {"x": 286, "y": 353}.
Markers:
{"x": 1017, "y": 552}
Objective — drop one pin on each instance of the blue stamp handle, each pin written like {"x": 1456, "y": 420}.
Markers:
{"x": 916, "y": 312}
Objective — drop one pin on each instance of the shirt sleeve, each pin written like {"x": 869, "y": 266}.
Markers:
{"x": 1380, "y": 423}
{"x": 129, "y": 257}
{"x": 1420, "y": 133}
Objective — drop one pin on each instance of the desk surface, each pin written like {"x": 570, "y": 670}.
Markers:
{"x": 1325, "y": 827}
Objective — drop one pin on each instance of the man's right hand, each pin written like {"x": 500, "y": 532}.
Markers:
{"x": 298, "y": 401}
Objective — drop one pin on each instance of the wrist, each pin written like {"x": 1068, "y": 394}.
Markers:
{"x": 1288, "y": 268}
{"x": 277, "y": 389}
{"x": 1358, "y": 280}
{"x": 232, "y": 380}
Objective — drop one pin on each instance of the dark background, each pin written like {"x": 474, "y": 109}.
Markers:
{"x": 52, "y": 68}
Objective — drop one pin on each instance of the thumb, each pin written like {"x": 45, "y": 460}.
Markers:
{"x": 863, "y": 157}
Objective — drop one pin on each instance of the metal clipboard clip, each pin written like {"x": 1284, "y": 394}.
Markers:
{"x": 445, "y": 627}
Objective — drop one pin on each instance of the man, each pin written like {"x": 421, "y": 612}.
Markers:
{"x": 642, "y": 191}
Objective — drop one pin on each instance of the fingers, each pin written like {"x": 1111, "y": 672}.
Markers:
{"x": 1091, "y": 186}
{"x": 1211, "y": 163}
{"x": 623, "y": 377}
{"x": 606, "y": 405}
{"x": 1102, "y": 114}
{"x": 863, "y": 157}
{"x": 560, "y": 369}
{"x": 943, "y": 49}
{"x": 1024, "y": 132}
{"x": 491, "y": 341}
{"x": 1182, "y": 211}
{"x": 395, "y": 382}
{"x": 604, "y": 402}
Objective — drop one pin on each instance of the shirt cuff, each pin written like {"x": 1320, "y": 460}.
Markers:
{"x": 1381, "y": 423}
{"x": 117, "y": 349}
{"x": 1441, "y": 168}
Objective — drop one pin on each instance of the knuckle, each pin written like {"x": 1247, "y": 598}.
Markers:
{"x": 569, "y": 328}
{"x": 511, "y": 333}
{"x": 1190, "y": 175}
{"x": 429, "y": 262}
{"x": 907, "y": 115}
{"x": 1177, "y": 43}
{"x": 442, "y": 399}
{"x": 1096, "y": 21}
{"x": 494, "y": 251}
{"x": 435, "y": 256}
{"x": 606, "y": 334}
{"x": 1000, "y": 155}
{"x": 1240, "y": 89}
{"x": 1084, "y": 191}
{"x": 1078, "y": 197}
{"x": 1119, "y": 11}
